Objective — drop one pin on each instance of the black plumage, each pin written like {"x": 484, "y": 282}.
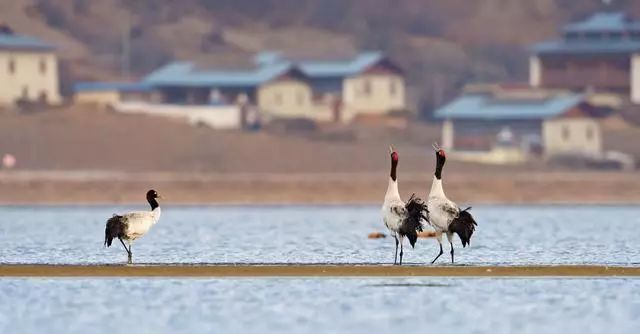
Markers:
{"x": 416, "y": 212}
{"x": 463, "y": 226}
{"x": 114, "y": 229}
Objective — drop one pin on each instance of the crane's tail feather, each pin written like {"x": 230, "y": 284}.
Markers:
{"x": 464, "y": 226}
{"x": 416, "y": 212}
{"x": 112, "y": 230}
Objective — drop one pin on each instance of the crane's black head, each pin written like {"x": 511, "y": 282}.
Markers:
{"x": 152, "y": 195}
{"x": 441, "y": 157}
{"x": 394, "y": 162}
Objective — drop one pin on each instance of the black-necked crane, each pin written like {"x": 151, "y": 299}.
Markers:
{"x": 444, "y": 215}
{"x": 133, "y": 225}
{"x": 402, "y": 219}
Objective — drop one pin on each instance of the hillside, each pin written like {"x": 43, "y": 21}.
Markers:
{"x": 442, "y": 44}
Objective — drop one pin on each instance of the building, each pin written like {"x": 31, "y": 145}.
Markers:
{"x": 339, "y": 90}
{"x": 502, "y": 124}
{"x": 28, "y": 69}
{"x": 598, "y": 54}
{"x": 322, "y": 90}
{"x": 109, "y": 94}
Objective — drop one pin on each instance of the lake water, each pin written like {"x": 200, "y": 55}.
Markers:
{"x": 319, "y": 234}
{"x": 441, "y": 305}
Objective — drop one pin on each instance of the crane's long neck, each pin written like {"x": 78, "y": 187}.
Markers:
{"x": 436, "y": 185}
{"x": 155, "y": 209}
{"x": 436, "y": 188}
{"x": 154, "y": 204}
{"x": 392, "y": 188}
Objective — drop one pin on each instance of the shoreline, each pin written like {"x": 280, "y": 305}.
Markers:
{"x": 312, "y": 270}
{"x": 62, "y": 204}
{"x": 193, "y": 189}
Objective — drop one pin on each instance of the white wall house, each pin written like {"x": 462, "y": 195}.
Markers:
{"x": 513, "y": 125}
{"x": 281, "y": 88}
{"x": 374, "y": 93}
{"x": 28, "y": 69}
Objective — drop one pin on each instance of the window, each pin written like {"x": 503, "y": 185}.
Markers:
{"x": 566, "y": 134}
{"x": 393, "y": 88}
{"x": 366, "y": 88}
{"x": 42, "y": 98}
{"x": 12, "y": 66}
{"x": 43, "y": 66}
{"x": 300, "y": 98}
{"x": 589, "y": 133}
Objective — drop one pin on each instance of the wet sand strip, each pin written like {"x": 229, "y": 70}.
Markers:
{"x": 310, "y": 270}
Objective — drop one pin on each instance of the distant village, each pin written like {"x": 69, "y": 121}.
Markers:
{"x": 590, "y": 72}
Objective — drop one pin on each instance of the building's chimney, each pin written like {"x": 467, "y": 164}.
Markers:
{"x": 5, "y": 29}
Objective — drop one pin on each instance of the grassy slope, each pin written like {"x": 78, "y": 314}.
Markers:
{"x": 444, "y": 43}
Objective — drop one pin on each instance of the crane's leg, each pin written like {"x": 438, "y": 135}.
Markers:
{"x": 127, "y": 249}
{"x": 401, "y": 251}
{"x": 395, "y": 259}
{"x": 129, "y": 260}
{"x": 439, "y": 238}
{"x": 450, "y": 237}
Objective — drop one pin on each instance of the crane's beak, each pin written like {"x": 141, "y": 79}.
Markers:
{"x": 436, "y": 147}
{"x": 390, "y": 149}
{"x": 160, "y": 197}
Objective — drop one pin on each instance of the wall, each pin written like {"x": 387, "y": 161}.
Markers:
{"x": 287, "y": 98}
{"x": 535, "y": 71}
{"x": 496, "y": 156}
{"x": 27, "y": 77}
{"x": 602, "y": 72}
{"x": 572, "y": 136}
{"x": 98, "y": 98}
{"x": 482, "y": 135}
{"x": 448, "y": 134}
{"x": 635, "y": 78}
{"x": 373, "y": 94}
{"x": 217, "y": 117}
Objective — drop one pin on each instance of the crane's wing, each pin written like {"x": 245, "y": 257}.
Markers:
{"x": 464, "y": 225}
{"x": 136, "y": 216}
{"x": 450, "y": 209}
{"x": 398, "y": 209}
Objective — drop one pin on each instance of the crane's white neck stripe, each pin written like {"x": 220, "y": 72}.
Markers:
{"x": 436, "y": 188}
{"x": 392, "y": 189}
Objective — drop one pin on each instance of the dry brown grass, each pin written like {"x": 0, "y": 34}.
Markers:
{"x": 127, "y": 154}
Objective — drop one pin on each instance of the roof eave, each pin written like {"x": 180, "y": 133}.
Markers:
{"x": 43, "y": 49}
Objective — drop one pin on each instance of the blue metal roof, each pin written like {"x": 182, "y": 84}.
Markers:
{"x": 110, "y": 86}
{"x": 601, "y": 22}
{"x": 186, "y": 74}
{"x": 21, "y": 42}
{"x": 340, "y": 68}
{"x": 604, "y": 33}
{"x": 486, "y": 107}
{"x": 587, "y": 47}
{"x": 270, "y": 66}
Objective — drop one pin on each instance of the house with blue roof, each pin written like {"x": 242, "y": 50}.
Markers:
{"x": 281, "y": 87}
{"x": 512, "y": 124}
{"x": 600, "y": 53}
{"x": 28, "y": 69}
